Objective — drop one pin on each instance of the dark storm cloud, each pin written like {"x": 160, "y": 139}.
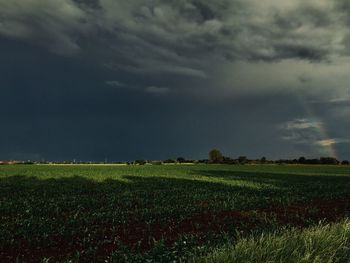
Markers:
{"x": 50, "y": 24}
{"x": 153, "y": 77}
{"x": 93, "y": 4}
{"x": 176, "y": 34}
{"x": 230, "y": 29}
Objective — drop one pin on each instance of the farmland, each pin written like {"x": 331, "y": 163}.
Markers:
{"x": 162, "y": 213}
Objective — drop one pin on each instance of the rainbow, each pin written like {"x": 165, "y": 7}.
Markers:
{"x": 326, "y": 142}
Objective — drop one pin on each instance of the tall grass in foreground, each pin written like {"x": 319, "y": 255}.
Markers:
{"x": 330, "y": 243}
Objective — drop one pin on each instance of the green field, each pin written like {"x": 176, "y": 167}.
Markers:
{"x": 165, "y": 213}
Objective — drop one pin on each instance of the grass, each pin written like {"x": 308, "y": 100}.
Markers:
{"x": 329, "y": 243}
{"x": 158, "y": 213}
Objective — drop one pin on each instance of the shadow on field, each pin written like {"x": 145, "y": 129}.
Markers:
{"x": 49, "y": 217}
{"x": 160, "y": 196}
{"x": 31, "y": 196}
{"x": 55, "y": 217}
{"x": 38, "y": 194}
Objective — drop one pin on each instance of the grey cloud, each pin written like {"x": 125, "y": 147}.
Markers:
{"x": 157, "y": 90}
{"x": 330, "y": 142}
{"x": 304, "y": 78}
{"x": 93, "y": 4}
{"x": 336, "y": 101}
{"x": 302, "y": 131}
{"x": 115, "y": 83}
{"x": 178, "y": 33}
{"x": 55, "y": 25}
{"x": 302, "y": 52}
{"x": 302, "y": 124}
{"x": 206, "y": 40}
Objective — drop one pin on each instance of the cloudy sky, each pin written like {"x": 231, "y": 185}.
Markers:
{"x": 156, "y": 79}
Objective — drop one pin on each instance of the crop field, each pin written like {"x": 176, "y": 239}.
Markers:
{"x": 171, "y": 213}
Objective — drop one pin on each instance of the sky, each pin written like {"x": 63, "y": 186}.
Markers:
{"x": 157, "y": 79}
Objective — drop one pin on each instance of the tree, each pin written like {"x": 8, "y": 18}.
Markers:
{"x": 345, "y": 162}
{"x": 228, "y": 160}
{"x": 216, "y": 156}
{"x": 181, "y": 160}
{"x": 242, "y": 159}
{"x": 140, "y": 162}
{"x": 169, "y": 161}
{"x": 329, "y": 160}
{"x": 302, "y": 160}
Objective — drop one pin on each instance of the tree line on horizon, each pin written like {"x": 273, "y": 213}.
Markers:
{"x": 215, "y": 156}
